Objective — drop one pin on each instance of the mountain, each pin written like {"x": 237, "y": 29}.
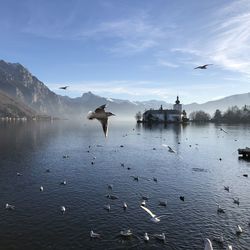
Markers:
{"x": 17, "y": 82}
{"x": 24, "y": 88}
{"x": 9, "y": 107}
{"x": 223, "y": 104}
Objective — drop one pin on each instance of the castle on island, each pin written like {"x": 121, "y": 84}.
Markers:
{"x": 175, "y": 115}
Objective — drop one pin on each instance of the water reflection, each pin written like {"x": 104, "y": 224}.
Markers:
{"x": 194, "y": 172}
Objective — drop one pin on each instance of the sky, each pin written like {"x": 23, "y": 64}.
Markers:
{"x": 131, "y": 49}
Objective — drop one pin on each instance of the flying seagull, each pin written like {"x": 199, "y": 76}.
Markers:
{"x": 154, "y": 218}
{"x": 64, "y": 87}
{"x": 203, "y": 66}
{"x": 101, "y": 116}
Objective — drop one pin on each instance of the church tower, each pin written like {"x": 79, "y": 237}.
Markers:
{"x": 177, "y": 105}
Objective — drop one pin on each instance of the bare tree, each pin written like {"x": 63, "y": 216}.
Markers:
{"x": 138, "y": 116}
{"x": 200, "y": 116}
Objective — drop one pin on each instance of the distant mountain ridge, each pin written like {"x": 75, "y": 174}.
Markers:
{"x": 18, "y": 83}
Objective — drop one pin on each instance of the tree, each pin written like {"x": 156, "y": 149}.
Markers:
{"x": 200, "y": 116}
{"x": 217, "y": 116}
{"x": 138, "y": 116}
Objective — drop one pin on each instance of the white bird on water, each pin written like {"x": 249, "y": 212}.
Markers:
{"x": 126, "y": 233}
{"x": 208, "y": 244}
{"x": 143, "y": 203}
{"x": 146, "y": 237}
{"x": 229, "y": 247}
{"x": 160, "y": 236}
{"x": 9, "y": 207}
{"x": 107, "y": 207}
{"x": 239, "y": 229}
{"x": 102, "y": 116}
{"x": 63, "y": 209}
{"x": 41, "y": 188}
{"x": 94, "y": 235}
{"x": 154, "y": 218}
{"x": 63, "y": 182}
{"x": 125, "y": 206}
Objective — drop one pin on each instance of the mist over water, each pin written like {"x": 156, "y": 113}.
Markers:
{"x": 194, "y": 172}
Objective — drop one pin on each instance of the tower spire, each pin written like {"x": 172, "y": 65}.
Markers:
{"x": 177, "y": 100}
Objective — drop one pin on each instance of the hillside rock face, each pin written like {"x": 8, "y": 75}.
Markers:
{"x": 17, "y": 82}
{"x": 9, "y": 107}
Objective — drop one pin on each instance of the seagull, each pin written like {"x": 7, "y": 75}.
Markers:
{"x": 63, "y": 182}
{"x": 101, "y": 116}
{"x": 229, "y": 247}
{"x": 160, "y": 236}
{"x": 220, "y": 210}
{"x": 112, "y": 197}
{"x": 143, "y": 203}
{"x": 136, "y": 178}
{"x": 220, "y": 240}
{"x": 221, "y": 129}
{"x": 107, "y": 207}
{"x": 18, "y": 174}
{"x": 236, "y": 201}
{"x": 63, "y": 209}
{"x": 125, "y": 206}
{"x": 182, "y": 198}
{"x": 208, "y": 244}
{"x": 126, "y": 233}
{"x": 239, "y": 229}
{"x": 169, "y": 148}
{"x": 226, "y": 188}
{"x": 154, "y": 218}
{"x": 155, "y": 179}
{"x": 41, "y": 188}
{"x": 94, "y": 235}
{"x": 203, "y": 66}
{"x": 9, "y": 207}
{"x": 110, "y": 186}
{"x": 64, "y": 87}
{"x": 146, "y": 237}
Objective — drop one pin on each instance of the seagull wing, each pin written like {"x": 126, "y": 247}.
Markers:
{"x": 148, "y": 211}
{"x": 198, "y": 67}
{"x": 100, "y": 109}
{"x": 208, "y": 245}
{"x": 104, "y": 123}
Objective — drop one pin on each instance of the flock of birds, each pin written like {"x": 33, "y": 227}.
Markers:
{"x": 102, "y": 116}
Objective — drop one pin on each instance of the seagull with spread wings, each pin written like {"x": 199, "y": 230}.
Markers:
{"x": 154, "y": 218}
{"x": 203, "y": 66}
{"x": 102, "y": 116}
{"x": 64, "y": 87}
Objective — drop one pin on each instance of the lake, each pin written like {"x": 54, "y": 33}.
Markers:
{"x": 195, "y": 171}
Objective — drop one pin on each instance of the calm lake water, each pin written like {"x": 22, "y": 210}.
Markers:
{"x": 194, "y": 172}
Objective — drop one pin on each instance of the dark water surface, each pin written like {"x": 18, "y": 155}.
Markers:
{"x": 195, "y": 172}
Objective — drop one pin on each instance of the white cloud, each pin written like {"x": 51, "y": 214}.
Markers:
{"x": 167, "y": 64}
{"x": 133, "y": 35}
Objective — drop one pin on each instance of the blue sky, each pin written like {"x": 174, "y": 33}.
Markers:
{"x": 136, "y": 50}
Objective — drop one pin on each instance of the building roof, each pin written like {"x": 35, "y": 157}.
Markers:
{"x": 164, "y": 111}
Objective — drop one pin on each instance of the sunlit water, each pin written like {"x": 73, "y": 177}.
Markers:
{"x": 194, "y": 172}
